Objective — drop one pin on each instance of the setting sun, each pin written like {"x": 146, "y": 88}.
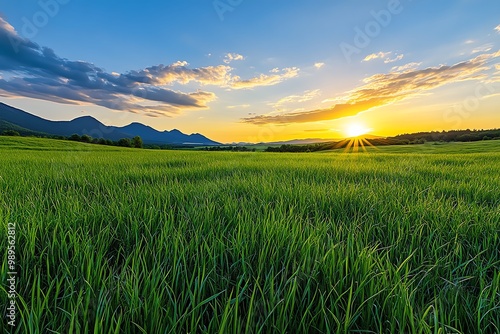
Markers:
{"x": 356, "y": 130}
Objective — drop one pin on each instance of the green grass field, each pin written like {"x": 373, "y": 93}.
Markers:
{"x": 110, "y": 240}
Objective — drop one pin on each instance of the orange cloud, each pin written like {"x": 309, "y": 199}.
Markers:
{"x": 374, "y": 56}
{"x": 264, "y": 79}
{"x": 382, "y": 55}
{"x": 383, "y": 89}
{"x": 406, "y": 67}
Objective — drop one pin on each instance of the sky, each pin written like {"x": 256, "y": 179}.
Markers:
{"x": 256, "y": 70}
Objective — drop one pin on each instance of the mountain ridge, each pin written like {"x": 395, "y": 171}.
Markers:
{"x": 88, "y": 125}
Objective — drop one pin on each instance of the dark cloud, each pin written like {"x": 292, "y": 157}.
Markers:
{"x": 33, "y": 71}
{"x": 30, "y": 70}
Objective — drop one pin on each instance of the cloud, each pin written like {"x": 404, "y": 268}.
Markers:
{"x": 374, "y": 56}
{"x": 406, "y": 67}
{"x": 319, "y": 65}
{"x": 241, "y": 106}
{"x": 229, "y": 57}
{"x": 178, "y": 72}
{"x": 483, "y": 48}
{"x": 30, "y": 70}
{"x": 497, "y": 28}
{"x": 37, "y": 72}
{"x": 382, "y": 55}
{"x": 395, "y": 59}
{"x": 383, "y": 89}
{"x": 294, "y": 99}
{"x": 277, "y": 77}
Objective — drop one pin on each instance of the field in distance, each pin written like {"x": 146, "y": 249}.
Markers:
{"x": 401, "y": 239}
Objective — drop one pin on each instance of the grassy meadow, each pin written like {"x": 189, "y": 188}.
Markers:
{"x": 110, "y": 240}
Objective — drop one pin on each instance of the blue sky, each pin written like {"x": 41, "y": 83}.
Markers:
{"x": 258, "y": 70}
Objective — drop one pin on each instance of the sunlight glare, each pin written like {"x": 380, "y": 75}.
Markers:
{"x": 356, "y": 130}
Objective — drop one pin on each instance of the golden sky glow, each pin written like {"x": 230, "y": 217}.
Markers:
{"x": 356, "y": 130}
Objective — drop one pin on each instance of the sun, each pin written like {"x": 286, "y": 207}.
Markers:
{"x": 356, "y": 138}
{"x": 356, "y": 130}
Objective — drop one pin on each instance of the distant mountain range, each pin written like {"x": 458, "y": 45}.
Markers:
{"x": 28, "y": 124}
{"x": 306, "y": 141}
{"x": 314, "y": 140}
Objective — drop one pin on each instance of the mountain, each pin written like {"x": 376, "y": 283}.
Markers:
{"x": 150, "y": 135}
{"x": 15, "y": 118}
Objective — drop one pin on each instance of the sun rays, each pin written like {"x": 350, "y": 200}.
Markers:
{"x": 356, "y": 140}
{"x": 354, "y": 145}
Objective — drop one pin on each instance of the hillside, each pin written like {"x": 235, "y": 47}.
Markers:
{"x": 7, "y": 126}
{"x": 44, "y": 144}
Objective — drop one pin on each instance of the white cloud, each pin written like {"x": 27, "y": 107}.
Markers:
{"x": 295, "y": 99}
{"x": 229, "y": 57}
{"x": 409, "y": 66}
{"x": 265, "y": 80}
{"x": 483, "y": 48}
{"x": 497, "y": 28}
{"x": 379, "y": 55}
{"x": 384, "y": 55}
{"x": 241, "y": 106}
{"x": 319, "y": 65}
{"x": 397, "y": 58}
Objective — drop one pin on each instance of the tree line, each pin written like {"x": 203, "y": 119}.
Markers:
{"x": 229, "y": 149}
{"x": 453, "y": 135}
{"x": 403, "y": 139}
{"x": 135, "y": 142}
